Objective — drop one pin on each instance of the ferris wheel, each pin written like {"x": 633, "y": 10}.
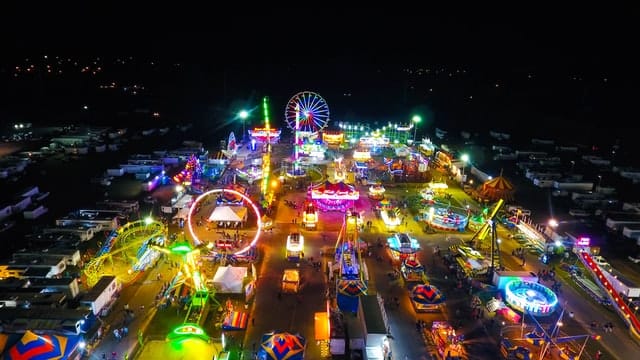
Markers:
{"x": 310, "y": 110}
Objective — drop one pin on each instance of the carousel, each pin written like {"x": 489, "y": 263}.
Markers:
{"x": 330, "y": 196}
{"x": 426, "y": 298}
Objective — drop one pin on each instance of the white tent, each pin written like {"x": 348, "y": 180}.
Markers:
{"x": 229, "y": 213}
{"x": 229, "y": 279}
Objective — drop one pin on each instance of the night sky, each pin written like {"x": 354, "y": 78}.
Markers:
{"x": 235, "y": 56}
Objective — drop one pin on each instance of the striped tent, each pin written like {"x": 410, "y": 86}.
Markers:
{"x": 497, "y": 188}
{"x": 281, "y": 346}
{"x": 235, "y": 320}
{"x": 425, "y": 294}
{"x": 42, "y": 347}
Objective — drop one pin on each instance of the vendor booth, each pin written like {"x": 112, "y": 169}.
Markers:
{"x": 235, "y": 320}
{"x": 229, "y": 216}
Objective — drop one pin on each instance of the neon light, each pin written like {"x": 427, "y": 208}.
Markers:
{"x": 245, "y": 198}
{"x": 535, "y": 298}
{"x": 583, "y": 241}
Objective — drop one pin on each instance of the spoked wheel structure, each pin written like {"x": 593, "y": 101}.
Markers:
{"x": 310, "y": 110}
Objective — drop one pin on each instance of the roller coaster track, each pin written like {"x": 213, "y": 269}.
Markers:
{"x": 130, "y": 236}
{"x": 619, "y": 304}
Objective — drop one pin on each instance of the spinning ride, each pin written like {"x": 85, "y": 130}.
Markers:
{"x": 306, "y": 113}
{"x": 444, "y": 218}
{"x": 330, "y": 196}
{"x": 426, "y": 298}
{"x": 376, "y": 192}
{"x": 352, "y": 277}
{"x": 534, "y": 298}
{"x": 401, "y": 245}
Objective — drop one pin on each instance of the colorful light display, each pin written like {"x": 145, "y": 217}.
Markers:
{"x": 191, "y": 173}
{"x": 266, "y": 157}
{"x": 255, "y": 208}
{"x": 534, "y": 298}
{"x": 265, "y": 135}
{"x": 401, "y": 245}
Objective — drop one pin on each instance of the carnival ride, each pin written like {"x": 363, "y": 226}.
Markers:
{"x": 309, "y": 216}
{"x": 533, "y": 298}
{"x": 478, "y": 238}
{"x": 295, "y": 247}
{"x": 447, "y": 341}
{"x": 188, "y": 286}
{"x": 131, "y": 242}
{"x": 391, "y": 217}
{"x": 352, "y": 277}
{"x": 330, "y": 196}
{"x": 191, "y": 173}
{"x": 618, "y": 302}
{"x": 231, "y": 198}
{"x": 306, "y": 114}
{"x": 444, "y": 218}
{"x": 267, "y": 195}
{"x": 376, "y": 192}
{"x": 412, "y": 270}
{"x": 401, "y": 245}
{"x": 247, "y": 251}
{"x": 250, "y": 173}
{"x": 426, "y": 298}
{"x": 281, "y": 346}
{"x": 546, "y": 338}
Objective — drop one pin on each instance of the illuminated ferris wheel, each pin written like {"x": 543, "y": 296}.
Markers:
{"x": 307, "y": 113}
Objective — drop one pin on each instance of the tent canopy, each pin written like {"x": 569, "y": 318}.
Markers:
{"x": 42, "y": 347}
{"x": 229, "y": 279}
{"x": 282, "y": 346}
{"x": 497, "y": 188}
{"x": 426, "y": 295}
{"x": 229, "y": 213}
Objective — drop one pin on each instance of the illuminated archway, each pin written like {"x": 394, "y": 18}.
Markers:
{"x": 256, "y": 211}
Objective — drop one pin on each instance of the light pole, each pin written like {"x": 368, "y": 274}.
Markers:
{"x": 243, "y": 115}
{"x": 599, "y": 182}
{"x": 465, "y": 159}
{"x": 415, "y": 120}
